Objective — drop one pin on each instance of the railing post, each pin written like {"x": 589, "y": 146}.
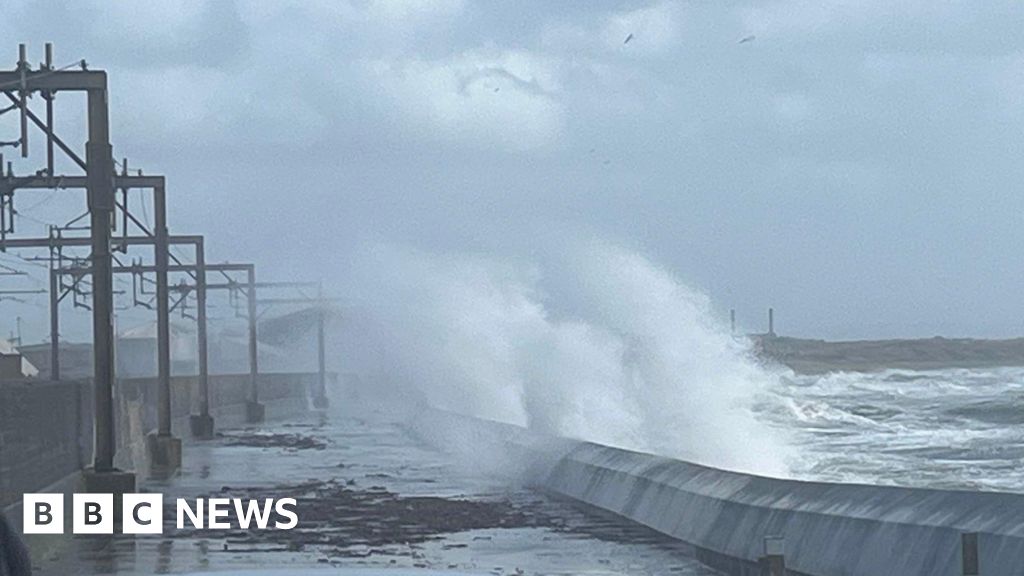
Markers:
{"x": 773, "y": 563}
{"x": 969, "y": 553}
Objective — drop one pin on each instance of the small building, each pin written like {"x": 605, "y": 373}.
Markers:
{"x": 13, "y": 365}
{"x": 75, "y": 359}
{"x": 136, "y": 351}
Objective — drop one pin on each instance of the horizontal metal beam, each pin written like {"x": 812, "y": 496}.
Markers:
{"x": 290, "y": 284}
{"x": 61, "y": 182}
{"x": 265, "y": 284}
{"x": 310, "y": 300}
{"x": 53, "y": 80}
{"x": 15, "y": 243}
{"x": 149, "y": 268}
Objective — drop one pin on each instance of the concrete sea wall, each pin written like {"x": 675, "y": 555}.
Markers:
{"x": 828, "y": 529}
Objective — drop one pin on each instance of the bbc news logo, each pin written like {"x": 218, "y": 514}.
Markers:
{"x": 144, "y": 513}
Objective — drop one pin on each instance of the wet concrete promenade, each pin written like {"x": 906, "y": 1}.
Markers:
{"x": 371, "y": 495}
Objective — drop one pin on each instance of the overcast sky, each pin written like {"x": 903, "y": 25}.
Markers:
{"x": 858, "y": 165}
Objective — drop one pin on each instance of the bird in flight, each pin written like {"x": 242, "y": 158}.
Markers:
{"x": 628, "y": 38}
{"x": 750, "y": 38}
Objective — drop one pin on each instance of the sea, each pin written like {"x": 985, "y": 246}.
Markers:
{"x": 949, "y": 429}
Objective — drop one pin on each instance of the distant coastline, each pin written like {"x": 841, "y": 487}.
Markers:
{"x": 821, "y": 356}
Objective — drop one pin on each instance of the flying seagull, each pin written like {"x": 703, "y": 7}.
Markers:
{"x": 628, "y": 38}
{"x": 750, "y": 38}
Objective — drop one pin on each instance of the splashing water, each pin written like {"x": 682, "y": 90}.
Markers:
{"x": 604, "y": 345}
{"x": 626, "y": 355}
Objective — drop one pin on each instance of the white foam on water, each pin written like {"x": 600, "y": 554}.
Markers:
{"x": 956, "y": 428}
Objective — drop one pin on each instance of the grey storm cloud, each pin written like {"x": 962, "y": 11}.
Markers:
{"x": 857, "y": 166}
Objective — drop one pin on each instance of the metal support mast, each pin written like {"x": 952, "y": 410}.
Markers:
{"x": 255, "y": 411}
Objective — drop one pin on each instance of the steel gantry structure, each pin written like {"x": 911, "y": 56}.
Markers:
{"x": 165, "y": 449}
{"x": 18, "y": 86}
{"x": 102, "y": 183}
{"x": 56, "y": 243}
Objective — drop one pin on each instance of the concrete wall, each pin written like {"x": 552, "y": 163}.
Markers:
{"x": 282, "y": 393}
{"x": 46, "y": 427}
{"x": 40, "y": 441}
{"x": 829, "y": 529}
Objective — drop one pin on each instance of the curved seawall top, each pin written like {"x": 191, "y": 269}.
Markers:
{"x": 829, "y": 529}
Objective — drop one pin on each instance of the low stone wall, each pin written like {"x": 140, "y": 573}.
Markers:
{"x": 46, "y": 427}
{"x": 828, "y": 529}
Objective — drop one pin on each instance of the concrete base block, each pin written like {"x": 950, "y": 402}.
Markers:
{"x": 116, "y": 482}
{"x": 321, "y": 402}
{"x": 773, "y": 566}
{"x": 201, "y": 426}
{"x": 164, "y": 454}
{"x": 255, "y": 412}
{"x": 108, "y": 482}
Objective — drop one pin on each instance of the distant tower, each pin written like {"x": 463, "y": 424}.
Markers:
{"x": 771, "y": 321}
{"x": 732, "y": 321}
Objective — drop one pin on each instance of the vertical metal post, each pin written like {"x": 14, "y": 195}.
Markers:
{"x": 773, "y": 563}
{"x": 969, "y": 553}
{"x": 204, "y": 370}
{"x": 54, "y": 325}
{"x": 163, "y": 314}
{"x": 49, "y": 115}
{"x": 320, "y": 400}
{"x": 254, "y": 395}
{"x": 100, "y": 187}
{"x": 771, "y": 321}
{"x": 23, "y": 67}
